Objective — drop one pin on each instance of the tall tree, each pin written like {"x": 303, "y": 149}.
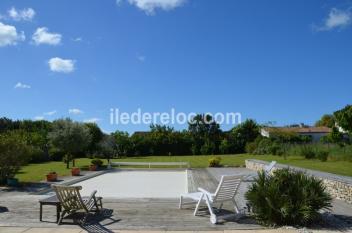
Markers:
{"x": 124, "y": 143}
{"x": 326, "y": 120}
{"x": 344, "y": 118}
{"x": 244, "y": 133}
{"x": 70, "y": 137}
{"x": 13, "y": 154}
{"x": 203, "y": 130}
{"x": 108, "y": 147}
{"x": 96, "y": 136}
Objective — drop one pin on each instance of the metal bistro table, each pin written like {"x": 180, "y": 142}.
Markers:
{"x": 50, "y": 201}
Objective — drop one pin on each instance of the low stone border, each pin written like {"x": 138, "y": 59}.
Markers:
{"x": 73, "y": 181}
{"x": 339, "y": 187}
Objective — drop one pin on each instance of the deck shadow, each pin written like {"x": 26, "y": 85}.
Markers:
{"x": 227, "y": 216}
{"x": 334, "y": 222}
{"x": 93, "y": 223}
{"x": 3, "y": 209}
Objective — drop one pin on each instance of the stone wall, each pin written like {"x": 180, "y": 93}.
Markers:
{"x": 340, "y": 187}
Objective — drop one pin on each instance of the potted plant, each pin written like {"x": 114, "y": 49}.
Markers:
{"x": 95, "y": 164}
{"x": 13, "y": 182}
{"x": 51, "y": 177}
{"x": 75, "y": 171}
{"x": 93, "y": 167}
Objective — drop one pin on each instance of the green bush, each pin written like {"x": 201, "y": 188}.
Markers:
{"x": 322, "y": 155}
{"x": 287, "y": 198}
{"x": 215, "y": 162}
{"x": 97, "y": 162}
{"x": 251, "y": 147}
{"x": 13, "y": 154}
{"x": 308, "y": 152}
{"x": 266, "y": 146}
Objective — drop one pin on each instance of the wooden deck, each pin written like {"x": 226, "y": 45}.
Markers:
{"x": 20, "y": 209}
{"x": 126, "y": 214}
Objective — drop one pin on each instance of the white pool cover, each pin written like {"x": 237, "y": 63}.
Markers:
{"x": 137, "y": 184}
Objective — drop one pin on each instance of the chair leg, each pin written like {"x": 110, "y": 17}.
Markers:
{"x": 198, "y": 205}
{"x": 235, "y": 207}
{"x": 61, "y": 217}
{"x": 210, "y": 207}
{"x": 180, "y": 205}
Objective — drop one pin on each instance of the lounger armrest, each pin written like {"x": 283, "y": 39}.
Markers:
{"x": 92, "y": 196}
{"x": 206, "y": 192}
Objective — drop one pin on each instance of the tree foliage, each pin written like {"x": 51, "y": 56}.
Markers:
{"x": 326, "y": 120}
{"x": 13, "y": 154}
{"x": 70, "y": 137}
{"x": 344, "y": 118}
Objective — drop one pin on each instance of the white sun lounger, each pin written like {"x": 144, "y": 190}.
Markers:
{"x": 225, "y": 192}
{"x": 267, "y": 171}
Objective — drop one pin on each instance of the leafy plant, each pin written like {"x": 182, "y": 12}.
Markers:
{"x": 322, "y": 155}
{"x": 263, "y": 146}
{"x": 97, "y": 162}
{"x": 287, "y": 198}
{"x": 307, "y": 151}
{"x": 13, "y": 154}
{"x": 215, "y": 162}
{"x": 69, "y": 137}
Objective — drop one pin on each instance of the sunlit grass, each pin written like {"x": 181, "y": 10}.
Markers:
{"x": 37, "y": 172}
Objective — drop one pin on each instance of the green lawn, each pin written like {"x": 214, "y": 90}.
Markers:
{"x": 36, "y": 172}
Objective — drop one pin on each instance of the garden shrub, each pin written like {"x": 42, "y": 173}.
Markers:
{"x": 97, "y": 162}
{"x": 267, "y": 146}
{"x": 56, "y": 155}
{"x": 287, "y": 198}
{"x": 225, "y": 146}
{"x": 308, "y": 152}
{"x": 251, "y": 147}
{"x": 215, "y": 162}
{"x": 208, "y": 148}
{"x": 322, "y": 155}
{"x": 13, "y": 154}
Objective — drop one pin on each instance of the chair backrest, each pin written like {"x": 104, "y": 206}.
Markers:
{"x": 69, "y": 197}
{"x": 268, "y": 168}
{"x": 227, "y": 188}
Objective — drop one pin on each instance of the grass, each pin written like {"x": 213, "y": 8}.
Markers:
{"x": 37, "y": 172}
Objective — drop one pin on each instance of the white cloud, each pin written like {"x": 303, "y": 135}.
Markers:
{"x": 118, "y": 2}
{"x": 50, "y": 113}
{"x": 149, "y": 6}
{"x": 43, "y": 36}
{"x": 22, "y": 86}
{"x": 39, "y": 118}
{"x": 141, "y": 58}
{"x": 26, "y": 14}
{"x": 91, "y": 120}
{"x": 9, "y": 35}
{"x": 77, "y": 39}
{"x": 75, "y": 111}
{"x": 57, "y": 64}
{"x": 336, "y": 19}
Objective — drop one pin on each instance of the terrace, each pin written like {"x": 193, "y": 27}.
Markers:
{"x": 148, "y": 212}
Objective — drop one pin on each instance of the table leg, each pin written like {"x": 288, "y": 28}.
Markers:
{"x": 41, "y": 212}
{"x": 58, "y": 211}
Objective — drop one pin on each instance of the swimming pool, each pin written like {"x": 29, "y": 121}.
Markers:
{"x": 137, "y": 184}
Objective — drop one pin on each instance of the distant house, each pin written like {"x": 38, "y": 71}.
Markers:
{"x": 315, "y": 133}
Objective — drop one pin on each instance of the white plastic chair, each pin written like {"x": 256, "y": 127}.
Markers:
{"x": 225, "y": 192}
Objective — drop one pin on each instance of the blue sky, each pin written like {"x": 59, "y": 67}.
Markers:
{"x": 282, "y": 61}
